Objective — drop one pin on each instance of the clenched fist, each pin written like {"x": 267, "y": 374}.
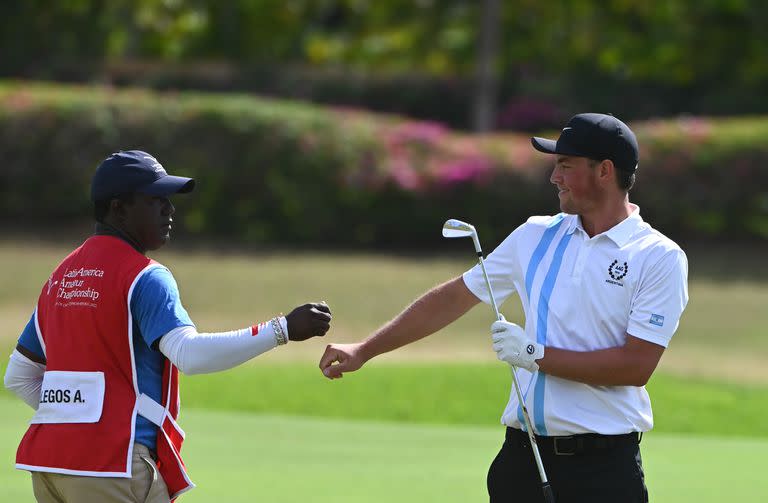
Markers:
{"x": 340, "y": 358}
{"x": 309, "y": 320}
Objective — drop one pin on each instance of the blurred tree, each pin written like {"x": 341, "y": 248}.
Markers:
{"x": 675, "y": 41}
{"x": 37, "y": 34}
{"x": 487, "y": 74}
{"x": 395, "y": 36}
{"x": 671, "y": 41}
{"x": 250, "y": 31}
{"x": 570, "y": 47}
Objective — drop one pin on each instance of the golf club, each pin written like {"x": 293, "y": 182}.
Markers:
{"x": 457, "y": 229}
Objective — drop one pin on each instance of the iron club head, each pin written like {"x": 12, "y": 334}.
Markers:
{"x": 453, "y": 228}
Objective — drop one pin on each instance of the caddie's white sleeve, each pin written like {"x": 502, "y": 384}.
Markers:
{"x": 195, "y": 353}
{"x": 24, "y": 378}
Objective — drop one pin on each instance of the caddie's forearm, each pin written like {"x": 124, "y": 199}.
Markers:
{"x": 428, "y": 314}
{"x": 195, "y": 353}
{"x": 24, "y": 378}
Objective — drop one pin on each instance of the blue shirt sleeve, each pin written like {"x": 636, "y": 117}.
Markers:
{"x": 156, "y": 306}
{"x": 29, "y": 339}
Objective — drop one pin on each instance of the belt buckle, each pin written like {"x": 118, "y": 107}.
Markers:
{"x": 563, "y": 452}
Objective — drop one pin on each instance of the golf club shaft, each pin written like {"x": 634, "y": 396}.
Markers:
{"x": 548, "y": 496}
{"x": 488, "y": 285}
{"x": 454, "y": 228}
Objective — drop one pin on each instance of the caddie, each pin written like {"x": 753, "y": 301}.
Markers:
{"x": 602, "y": 293}
{"x": 100, "y": 356}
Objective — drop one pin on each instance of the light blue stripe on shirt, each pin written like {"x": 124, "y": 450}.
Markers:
{"x": 530, "y": 274}
{"x": 541, "y": 330}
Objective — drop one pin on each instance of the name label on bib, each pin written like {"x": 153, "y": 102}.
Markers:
{"x": 70, "y": 397}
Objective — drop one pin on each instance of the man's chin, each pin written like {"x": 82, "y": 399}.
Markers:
{"x": 159, "y": 243}
{"x": 567, "y": 207}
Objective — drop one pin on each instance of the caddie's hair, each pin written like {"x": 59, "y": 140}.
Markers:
{"x": 101, "y": 207}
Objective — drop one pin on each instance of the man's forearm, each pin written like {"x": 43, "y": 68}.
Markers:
{"x": 628, "y": 365}
{"x": 426, "y": 315}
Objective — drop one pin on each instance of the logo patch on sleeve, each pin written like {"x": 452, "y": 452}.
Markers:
{"x": 657, "y": 319}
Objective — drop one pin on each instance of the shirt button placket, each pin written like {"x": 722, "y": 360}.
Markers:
{"x": 581, "y": 259}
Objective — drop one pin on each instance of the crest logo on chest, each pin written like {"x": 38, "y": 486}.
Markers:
{"x": 617, "y": 271}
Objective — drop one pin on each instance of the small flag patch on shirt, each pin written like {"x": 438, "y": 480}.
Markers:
{"x": 657, "y": 319}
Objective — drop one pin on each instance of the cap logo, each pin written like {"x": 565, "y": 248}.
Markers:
{"x": 155, "y": 165}
{"x": 567, "y": 128}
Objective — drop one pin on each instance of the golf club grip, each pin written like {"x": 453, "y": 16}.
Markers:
{"x": 549, "y": 496}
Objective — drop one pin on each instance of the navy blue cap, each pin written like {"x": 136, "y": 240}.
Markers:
{"x": 595, "y": 136}
{"x": 130, "y": 171}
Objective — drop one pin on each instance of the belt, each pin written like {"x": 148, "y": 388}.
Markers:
{"x": 571, "y": 445}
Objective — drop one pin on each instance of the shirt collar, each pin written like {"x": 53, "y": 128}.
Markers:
{"x": 105, "y": 229}
{"x": 619, "y": 233}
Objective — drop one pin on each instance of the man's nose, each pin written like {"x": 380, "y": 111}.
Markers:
{"x": 555, "y": 177}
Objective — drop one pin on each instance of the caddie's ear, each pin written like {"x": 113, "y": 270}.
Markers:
{"x": 117, "y": 208}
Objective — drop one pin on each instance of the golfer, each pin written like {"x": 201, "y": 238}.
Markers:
{"x": 602, "y": 293}
{"x": 99, "y": 359}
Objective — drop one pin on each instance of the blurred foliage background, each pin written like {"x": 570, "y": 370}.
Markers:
{"x": 549, "y": 58}
{"x": 431, "y": 106}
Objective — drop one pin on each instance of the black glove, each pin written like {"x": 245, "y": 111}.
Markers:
{"x": 309, "y": 320}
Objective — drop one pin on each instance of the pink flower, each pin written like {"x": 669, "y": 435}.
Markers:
{"x": 427, "y": 133}
{"x": 404, "y": 175}
{"x": 475, "y": 170}
{"x": 696, "y": 128}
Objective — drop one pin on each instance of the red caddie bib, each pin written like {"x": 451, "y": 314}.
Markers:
{"x": 89, "y": 397}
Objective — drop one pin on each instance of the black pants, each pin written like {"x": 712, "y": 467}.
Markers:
{"x": 588, "y": 469}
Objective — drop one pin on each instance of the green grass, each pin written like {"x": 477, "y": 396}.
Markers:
{"x": 687, "y": 405}
{"x": 419, "y": 424}
{"x": 244, "y": 457}
{"x": 454, "y": 394}
{"x": 721, "y": 335}
{"x": 468, "y": 394}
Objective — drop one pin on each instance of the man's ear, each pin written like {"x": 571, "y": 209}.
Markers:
{"x": 606, "y": 170}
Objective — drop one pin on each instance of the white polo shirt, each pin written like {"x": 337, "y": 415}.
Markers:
{"x": 584, "y": 294}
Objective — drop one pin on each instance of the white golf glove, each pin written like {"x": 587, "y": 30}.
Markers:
{"x": 513, "y": 346}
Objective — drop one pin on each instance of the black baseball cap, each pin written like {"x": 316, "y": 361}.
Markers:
{"x": 135, "y": 171}
{"x": 595, "y": 136}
